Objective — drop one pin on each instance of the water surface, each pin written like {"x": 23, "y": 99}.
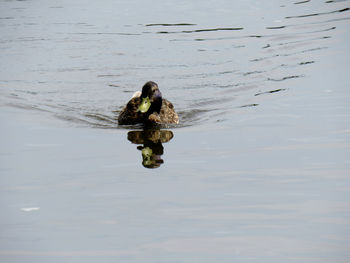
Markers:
{"x": 256, "y": 171}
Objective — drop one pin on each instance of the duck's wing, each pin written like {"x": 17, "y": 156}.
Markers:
{"x": 167, "y": 113}
{"x": 130, "y": 115}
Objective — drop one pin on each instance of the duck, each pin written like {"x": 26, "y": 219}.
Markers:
{"x": 148, "y": 107}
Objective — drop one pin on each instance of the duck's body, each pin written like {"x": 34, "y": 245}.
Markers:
{"x": 130, "y": 114}
{"x": 148, "y": 108}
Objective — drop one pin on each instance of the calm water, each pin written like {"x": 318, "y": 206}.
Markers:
{"x": 257, "y": 171}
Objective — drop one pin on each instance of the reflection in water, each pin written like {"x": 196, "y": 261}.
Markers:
{"x": 152, "y": 148}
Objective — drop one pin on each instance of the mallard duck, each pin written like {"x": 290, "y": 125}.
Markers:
{"x": 148, "y": 107}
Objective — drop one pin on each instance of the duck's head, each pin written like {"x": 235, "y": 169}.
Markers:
{"x": 151, "y": 98}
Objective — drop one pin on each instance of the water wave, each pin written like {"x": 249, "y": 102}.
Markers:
{"x": 85, "y": 73}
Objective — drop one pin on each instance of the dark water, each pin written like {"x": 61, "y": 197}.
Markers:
{"x": 257, "y": 170}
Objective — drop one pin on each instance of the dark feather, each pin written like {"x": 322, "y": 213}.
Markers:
{"x": 130, "y": 114}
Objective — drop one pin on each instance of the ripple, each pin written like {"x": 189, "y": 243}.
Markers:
{"x": 288, "y": 54}
{"x": 106, "y": 33}
{"x": 319, "y": 14}
{"x": 302, "y": 2}
{"x": 306, "y": 62}
{"x": 191, "y": 117}
{"x": 275, "y": 27}
{"x": 268, "y": 92}
{"x": 102, "y": 118}
{"x": 335, "y": 1}
{"x": 285, "y": 78}
{"x": 202, "y": 30}
{"x": 249, "y": 105}
{"x": 178, "y": 24}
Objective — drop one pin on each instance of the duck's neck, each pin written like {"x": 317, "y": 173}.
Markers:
{"x": 155, "y": 106}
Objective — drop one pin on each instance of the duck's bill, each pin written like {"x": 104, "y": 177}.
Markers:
{"x": 145, "y": 104}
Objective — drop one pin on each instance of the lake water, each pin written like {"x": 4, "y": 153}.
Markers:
{"x": 258, "y": 170}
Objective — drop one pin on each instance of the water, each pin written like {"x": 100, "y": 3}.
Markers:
{"x": 257, "y": 170}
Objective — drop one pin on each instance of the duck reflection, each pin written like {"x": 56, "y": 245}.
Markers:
{"x": 152, "y": 145}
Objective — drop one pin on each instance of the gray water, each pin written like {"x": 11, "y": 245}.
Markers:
{"x": 258, "y": 170}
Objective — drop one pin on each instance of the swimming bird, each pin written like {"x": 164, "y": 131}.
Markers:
{"x": 148, "y": 107}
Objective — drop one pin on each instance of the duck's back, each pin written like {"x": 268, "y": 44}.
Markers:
{"x": 130, "y": 114}
{"x": 167, "y": 113}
